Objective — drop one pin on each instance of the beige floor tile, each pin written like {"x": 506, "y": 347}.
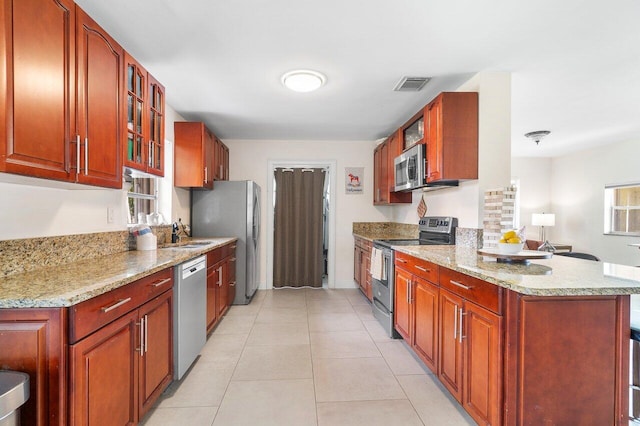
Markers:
{"x": 285, "y": 298}
{"x": 343, "y": 344}
{"x": 334, "y": 322}
{"x": 376, "y": 331}
{"x": 354, "y": 379}
{"x": 268, "y": 402}
{"x": 434, "y": 404}
{"x": 278, "y": 334}
{"x": 203, "y": 386}
{"x": 340, "y": 305}
{"x": 193, "y": 416}
{"x": 356, "y": 297}
{"x": 399, "y": 358}
{"x": 368, "y": 413}
{"x": 240, "y": 324}
{"x": 223, "y": 348}
{"x": 251, "y": 309}
{"x": 274, "y": 362}
{"x": 325, "y": 294}
{"x": 269, "y": 315}
{"x": 364, "y": 312}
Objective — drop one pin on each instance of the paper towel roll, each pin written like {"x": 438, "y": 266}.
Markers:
{"x": 146, "y": 242}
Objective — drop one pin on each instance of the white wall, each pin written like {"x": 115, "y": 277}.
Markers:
{"x": 534, "y": 175}
{"x": 249, "y": 161}
{"x": 577, "y": 197}
{"x": 42, "y": 208}
{"x": 494, "y": 157}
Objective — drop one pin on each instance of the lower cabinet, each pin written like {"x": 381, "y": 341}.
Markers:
{"x": 362, "y": 265}
{"x": 118, "y": 367}
{"x": 221, "y": 282}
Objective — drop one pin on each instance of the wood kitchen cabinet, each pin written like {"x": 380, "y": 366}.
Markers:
{"x": 383, "y": 173}
{"x": 200, "y": 157}
{"x": 416, "y": 306}
{"x": 221, "y": 282}
{"x": 362, "y": 265}
{"x": 451, "y": 136}
{"x": 471, "y": 343}
{"x": 121, "y": 351}
{"x": 63, "y": 118}
{"x": 144, "y": 143}
{"x": 38, "y": 342}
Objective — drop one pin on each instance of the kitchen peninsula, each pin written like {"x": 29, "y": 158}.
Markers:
{"x": 543, "y": 343}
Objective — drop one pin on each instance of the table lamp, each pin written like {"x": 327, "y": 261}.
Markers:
{"x": 542, "y": 220}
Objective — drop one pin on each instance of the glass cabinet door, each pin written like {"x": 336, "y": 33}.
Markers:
{"x": 136, "y": 86}
{"x": 156, "y": 127}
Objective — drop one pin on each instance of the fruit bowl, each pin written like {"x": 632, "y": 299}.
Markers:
{"x": 510, "y": 248}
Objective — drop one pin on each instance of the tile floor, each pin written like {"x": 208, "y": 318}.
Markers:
{"x": 305, "y": 357}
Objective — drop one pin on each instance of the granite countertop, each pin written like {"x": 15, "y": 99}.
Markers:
{"x": 557, "y": 276}
{"x": 67, "y": 285}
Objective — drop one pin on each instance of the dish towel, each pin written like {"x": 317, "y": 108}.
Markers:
{"x": 376, "y": 264}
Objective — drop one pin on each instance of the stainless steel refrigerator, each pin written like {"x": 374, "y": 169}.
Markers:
{"x": 232, "y": 209}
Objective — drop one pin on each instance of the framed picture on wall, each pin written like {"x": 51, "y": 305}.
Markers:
{"x": 354, "y": 180}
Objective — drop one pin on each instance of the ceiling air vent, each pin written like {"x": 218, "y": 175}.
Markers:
{"x": 411, "y": 84}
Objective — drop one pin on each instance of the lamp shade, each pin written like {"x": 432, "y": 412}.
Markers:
{"x": 543, "y": 219}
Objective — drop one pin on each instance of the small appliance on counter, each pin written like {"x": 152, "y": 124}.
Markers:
{"x": 434, "y": 230}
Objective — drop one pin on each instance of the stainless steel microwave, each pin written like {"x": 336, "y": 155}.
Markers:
{"x": 410, "y": 169}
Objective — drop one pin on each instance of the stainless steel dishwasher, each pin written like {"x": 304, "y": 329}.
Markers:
{"x": 190, "y": 314}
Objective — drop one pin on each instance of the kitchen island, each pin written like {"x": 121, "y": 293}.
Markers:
{"x": 72, "y": 326}
{"x": 543, "y": 343}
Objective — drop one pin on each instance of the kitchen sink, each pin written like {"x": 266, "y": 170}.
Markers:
{"x": 188, "y": 245}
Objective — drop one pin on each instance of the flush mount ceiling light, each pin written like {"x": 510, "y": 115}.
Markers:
{"x": 537, "y": 136}
{"x": 303, "y": 80}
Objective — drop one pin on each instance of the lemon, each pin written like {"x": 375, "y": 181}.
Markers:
{"x": 502, "y": 240}
{"x": 514, "y": 240}
{"x": 509, "y": 234}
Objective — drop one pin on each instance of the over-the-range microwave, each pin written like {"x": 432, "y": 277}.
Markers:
{"x": 410, "y": 169}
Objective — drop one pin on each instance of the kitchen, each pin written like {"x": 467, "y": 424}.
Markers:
{"x": 38, "y": 211}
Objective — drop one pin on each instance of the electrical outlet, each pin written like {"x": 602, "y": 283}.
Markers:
{"x": 110, "y": 214}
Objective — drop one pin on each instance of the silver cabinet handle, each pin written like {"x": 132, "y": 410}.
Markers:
{"x": 456, "y": 283}
{"x": 161, "y": 282}
{"x": 377, "y": 194}
{"x": 232, "y": 284}
{"x": 455, "y": 322}
{"x": 220, "y": 276}
{"x": 460, "y": 336}
{"x": 86, "y": 156}
{"x": 401, "y": 260}
{"x": 221, "y": 172}
{"x": 233, "y": 259}
{"x": 78, "y": 154}
{"x": 206, "y": 175}
{"x": 119, "y": 303}
{"x": 141, "y": 348}
{"x": 422, "y": 269}
{"x": 146, "y": 333}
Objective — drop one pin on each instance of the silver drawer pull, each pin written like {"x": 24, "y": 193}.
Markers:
{"x": 401, "y": 261}
{"x": 233, "y": 259}
{"x": 161, "y": 282}
{"x": 232, "y": 284}
{"x": 422, "y": 269}
{"x": 456, "y": 283}
{"x": 119, "y": 303}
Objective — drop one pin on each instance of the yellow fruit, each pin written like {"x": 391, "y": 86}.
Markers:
{"x": 509, "y": 234}
{"x": 502, "y": 240}
{"x": 514, "y": 240}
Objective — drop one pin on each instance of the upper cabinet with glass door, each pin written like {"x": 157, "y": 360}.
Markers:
{"x": 144, "y": 96}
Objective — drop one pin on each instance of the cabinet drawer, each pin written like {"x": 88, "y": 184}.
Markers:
{"x": 481, "y": 292}
{"x": 216, "y": 255}
{"x": 90, "y": 315}
{"x": 421, "y": 268}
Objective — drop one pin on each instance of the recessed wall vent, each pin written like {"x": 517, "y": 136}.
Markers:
{"x": 411, "y": 84}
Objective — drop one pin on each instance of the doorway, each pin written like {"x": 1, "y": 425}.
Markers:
{"x": 327, "y": 253}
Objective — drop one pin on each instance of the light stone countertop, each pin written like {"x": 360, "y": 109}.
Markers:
{"x": 558, "y": 276}
{"x": 67, "y": 285}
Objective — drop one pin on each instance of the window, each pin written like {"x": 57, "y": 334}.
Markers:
{"x": 622, "y": 209}
{"x": 142, "y": 198}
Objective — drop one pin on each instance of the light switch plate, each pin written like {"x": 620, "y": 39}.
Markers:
{"x": 110, "y": 214}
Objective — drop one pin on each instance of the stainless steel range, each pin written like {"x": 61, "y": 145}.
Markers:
{"x": 434, "y": 230}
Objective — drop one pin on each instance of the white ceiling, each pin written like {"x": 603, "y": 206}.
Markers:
{"x": 575, "y": 64}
